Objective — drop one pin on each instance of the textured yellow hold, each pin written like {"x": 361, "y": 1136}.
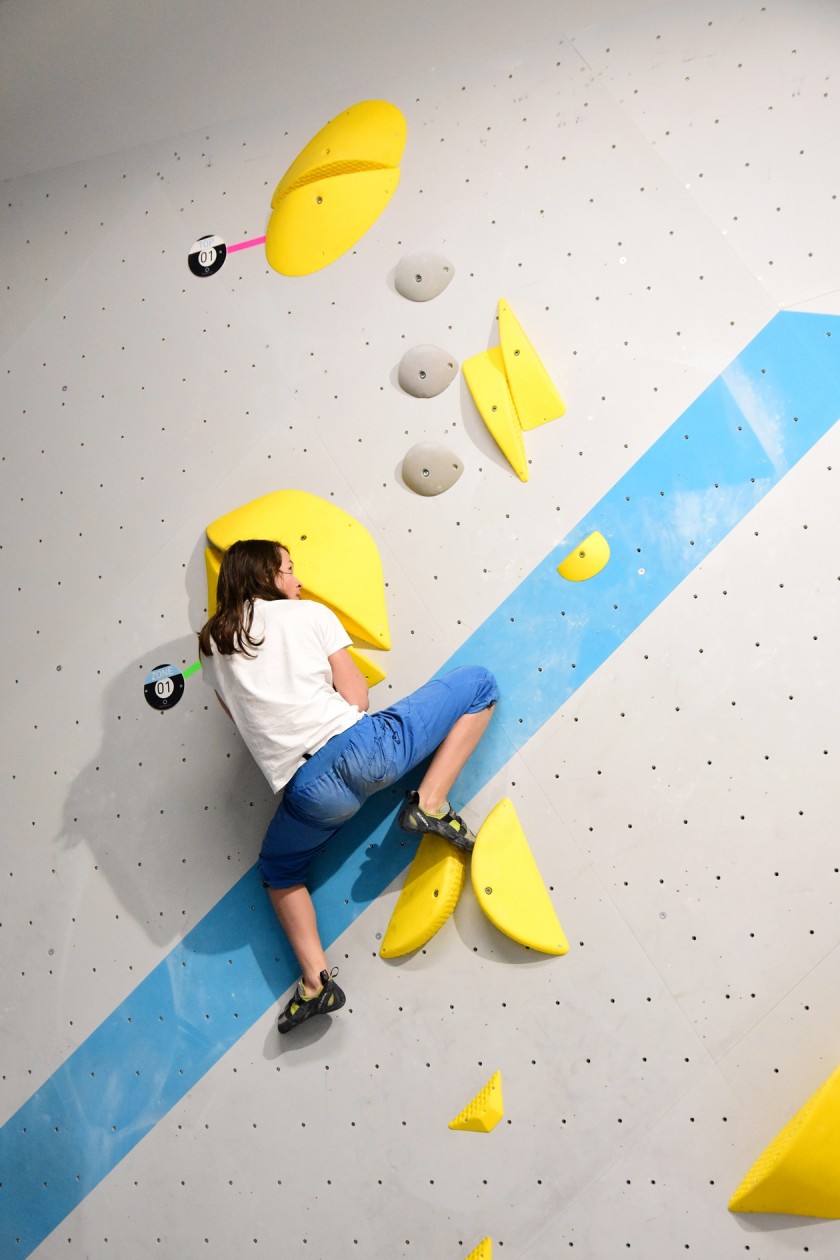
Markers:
{"x": 509, "y": 886}
{"x": 484, "y": 1250}
{"x": 485, "y": 1111}
{"x": 334, "y": 556}
{"x": 488, "y": 384}
{"x": 430, "y": 894}
{"x": 799, "y": 1172}
{"x": 534, "y": 396}
{"x": 336, "y": 188}
{"x": 586, "y": 560}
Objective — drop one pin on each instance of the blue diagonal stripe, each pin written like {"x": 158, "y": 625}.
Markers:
{"x": 684, "y": 495}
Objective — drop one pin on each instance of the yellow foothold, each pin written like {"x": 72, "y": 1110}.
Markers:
{"x": 430, "y": 894}
{"x": 336, "y": 188}
{"x": 484, "y": 1250}
{"x": 586, "y": 560}
{"x": 799, "y": 1172}
{"x": 534, "y": 395}
{"x": 334, "y": 556}
{"x": 485, "y": 376}
{"x": 508, "y": 884}
{"x": 485, "y": 1111}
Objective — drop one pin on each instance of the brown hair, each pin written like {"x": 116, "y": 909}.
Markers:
{"x": 247, "y": 573}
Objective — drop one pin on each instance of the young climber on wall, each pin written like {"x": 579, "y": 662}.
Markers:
{"x": 281, "y": 671}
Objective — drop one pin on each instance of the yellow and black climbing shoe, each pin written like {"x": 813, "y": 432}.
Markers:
{"x": 445, "y": 823}
{"x": 301, "y": 1006}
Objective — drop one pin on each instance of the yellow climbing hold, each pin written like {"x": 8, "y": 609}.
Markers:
{"x": 512, "y": 390}
{"x": 336, "y": 188}
{"x": 485, "y": 1111}
{"x": 585, "y": 560}
{"x": 334, "y": 556}
{"x": 508, "y": 884}
{"x": 484, "y": 1250}
{"x": 429, "y": 895}
{"x": 485, "y": 376}
{"x": 534, "y": 395}
{"x": 371, "y": 672}
{"x": 799, "y": 1172}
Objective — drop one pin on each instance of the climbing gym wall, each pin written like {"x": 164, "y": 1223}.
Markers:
{"x": 630, "y": 991}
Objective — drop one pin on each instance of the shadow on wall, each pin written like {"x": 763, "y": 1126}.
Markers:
{"x": 172, "y": 807}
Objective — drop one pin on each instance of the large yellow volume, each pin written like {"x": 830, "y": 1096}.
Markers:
{"x": 334, "y": 556}
{"x": 336, "y": 188}
{"x": 534, "y": 395}
{"x": 488, "y": 384}
{"x": 485, "y": 1111}
{"x": 799, "y": 1172}
{"x": 508, "y": 884}
{"x": 429, "y": 895}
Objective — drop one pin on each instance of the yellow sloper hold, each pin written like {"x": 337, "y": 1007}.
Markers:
{"x": 508, "y": 884}
{"x": 334, "y": 556}
{"x": 585, "y": 560}
{"x": 488, "y": 384}
{"x": 336, "y": 188}
{"x": 534, "y": 396}
{"x": 799, "y": 1172}
{"x": 429, "y": 895}
{"x": 484, "y": 1250}
{"x": 485, "y": 1111}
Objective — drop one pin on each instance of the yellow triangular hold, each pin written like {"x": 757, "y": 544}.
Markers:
{"x": 484, "y": 1251}
{"x": 799, "y": 1172}
{"x": 485, "y": 376}
{"x": 485, "y": 1111}
{"x": 534, "y": 396}
{"x": 430, "y": 894}
{"x": 508, "y": 884}
{"x": 334, "y": 556}
{"x": 336, "y": 188}
{"x": 586, "y": 560}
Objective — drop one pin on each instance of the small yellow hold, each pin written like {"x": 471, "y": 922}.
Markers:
{"x": 586, "y": 560}
{"x": 485, "y": 1111}
{"x": 484, "y": 1250}
{"x": 429, "y": 895}
{"x": 798, "y": 1174}
{"x": 509, "y": 886}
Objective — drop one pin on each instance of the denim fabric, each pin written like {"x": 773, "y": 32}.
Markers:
{"x": 335, "y": 782}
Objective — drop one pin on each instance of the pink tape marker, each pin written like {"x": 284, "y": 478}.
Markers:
{"x": 259, "y": 240}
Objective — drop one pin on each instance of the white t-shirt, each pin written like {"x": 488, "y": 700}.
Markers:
{"x": 282, "y": 698}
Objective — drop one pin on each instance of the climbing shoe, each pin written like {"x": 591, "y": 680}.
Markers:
{"x": 446, "y": 823}
{"x": 300, "y": 1007}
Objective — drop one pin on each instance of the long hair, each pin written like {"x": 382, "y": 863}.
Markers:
{"x": 247, "y": 573}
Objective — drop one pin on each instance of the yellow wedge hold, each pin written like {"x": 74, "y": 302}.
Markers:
{"x": 798, "y": 1174}
{"x": 485, "y": 1111}
{"x": 485, "y": 376}
{"x": 336, "y": 188}
{"x": 334, "y": 556}
{"x": 534, "y": 395}
{"x": 430, "y": 893}
{"x": 509, "y": 886}
{"x": 484, "y": 1250}
{"x": 586, "y": 560}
